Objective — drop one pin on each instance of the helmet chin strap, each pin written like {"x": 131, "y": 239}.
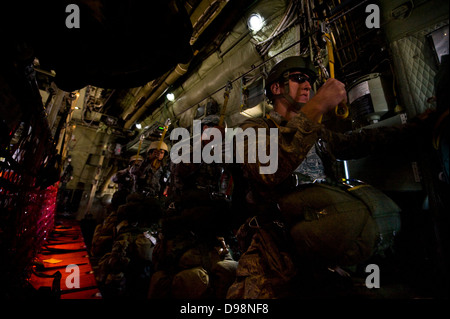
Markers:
{"x": 296, "y": 106}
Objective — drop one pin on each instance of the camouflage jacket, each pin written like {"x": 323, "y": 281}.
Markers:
{"x": 299, "y": 136}
{"x": 149, "y": 179}
{"x": 212, "y": 178}
{"x": 124, "y": 179}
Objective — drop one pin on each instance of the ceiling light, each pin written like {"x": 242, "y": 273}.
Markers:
{"x": 170, "y": 96}
{"x": 255, "y": 22}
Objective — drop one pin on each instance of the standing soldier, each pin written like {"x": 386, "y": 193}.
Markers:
{"x": 126, "y": 180}
{"x": 104, "y": 233}
{"x": 152, "y": 170}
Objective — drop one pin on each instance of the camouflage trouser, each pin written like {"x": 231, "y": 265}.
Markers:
{"x": 191, "y": 271}
{"x": 103, "y": 237}
{"x": 265, "y": 269}
{"x": 194, "y": 283}
{"x": 329, "y": 226}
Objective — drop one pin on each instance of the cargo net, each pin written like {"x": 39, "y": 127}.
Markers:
{"x": 29, "y": 178}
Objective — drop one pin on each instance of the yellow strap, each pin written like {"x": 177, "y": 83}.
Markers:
{"x": 224, "y": 108}
{"x": 268, "y": 117}
{"x": 356, "y": 187}
{"x": 330, "y": 54}
{"x": 340, "y": 110}
{"x": 140, "y": 144}
{"x": 226, "y": 96}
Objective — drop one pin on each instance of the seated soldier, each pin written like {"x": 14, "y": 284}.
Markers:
{"x": 192, "y": 260}
{"x": 126, "y": 269}
{"x": 325, "y": 225}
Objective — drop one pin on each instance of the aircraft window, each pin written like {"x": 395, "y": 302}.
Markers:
{"x": 439, "y": 42}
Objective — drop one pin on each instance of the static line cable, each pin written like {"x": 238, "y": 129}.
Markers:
{"x": 241, "y": 76}
{"x": 340, "y": 110}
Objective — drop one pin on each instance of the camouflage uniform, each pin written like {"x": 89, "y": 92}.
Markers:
{"x": 126, "y": 269}
{"x": 300, "y": 137}
{"x": 209, "y": 179}
{"x": 104, "y": 232}
{"x": 192, "y": 260}
{"x": 126, "y": 180}
{"x": 325, "y": 225}
{"x": 148, "y": 179}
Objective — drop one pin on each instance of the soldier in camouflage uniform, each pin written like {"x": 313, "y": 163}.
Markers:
{"x": 124, "y": 242}
{"x": 149, "y": 176}
{"x": 125, "y": 270}
{"x": 104, "y": 232}
{"x": 126, "y": 178}
{"x": 192, "y": 260}
{"x": 324, "y": 225}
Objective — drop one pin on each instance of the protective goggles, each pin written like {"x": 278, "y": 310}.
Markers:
{"x": 299, "y": 78}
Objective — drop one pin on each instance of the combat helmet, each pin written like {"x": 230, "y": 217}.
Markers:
{"x": 289, "y": 64}
{"x": 154, "y": 145}
{"x": 136, "y": 158}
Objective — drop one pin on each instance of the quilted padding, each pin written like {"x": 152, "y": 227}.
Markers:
{"x": 416, "y": 69}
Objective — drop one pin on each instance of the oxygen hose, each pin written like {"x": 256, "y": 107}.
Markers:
{"x": 226, "y": 96}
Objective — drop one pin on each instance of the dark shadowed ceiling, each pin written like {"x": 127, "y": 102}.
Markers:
{"x": 120, "y": 45}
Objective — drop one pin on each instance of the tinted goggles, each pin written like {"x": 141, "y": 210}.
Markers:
{"x": 299, "y": 78}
